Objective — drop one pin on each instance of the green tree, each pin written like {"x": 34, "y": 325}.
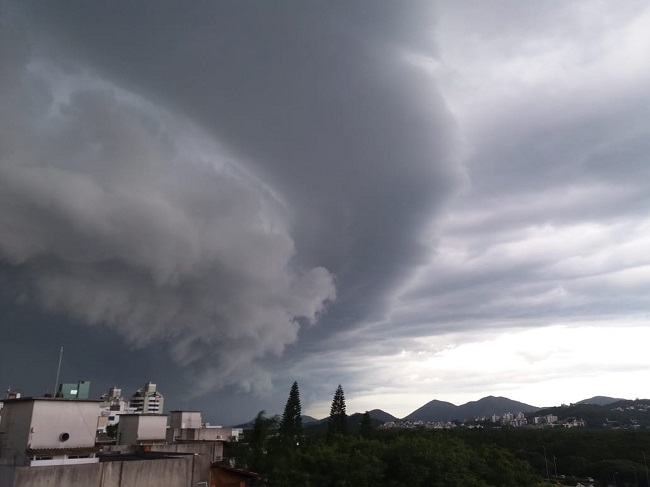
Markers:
{"x": 365, "y": 427}
{"x": 111, "y": 430}
{"x": 257, "y": 439}
{"x": 291, "y": 423}
{"x": 338, "y": 420}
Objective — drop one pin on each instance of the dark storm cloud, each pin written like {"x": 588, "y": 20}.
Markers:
{"x": 322, "y": 153}
{"x": 315, "y": 97}
{"x": 116, "y": 213}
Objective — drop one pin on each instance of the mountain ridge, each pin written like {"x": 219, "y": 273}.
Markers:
{"x": 436, "y": 410}
{"x": 485, "y": 407}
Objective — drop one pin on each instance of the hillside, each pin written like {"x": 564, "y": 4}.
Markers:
{"x": 485, "y": 407}
{"x": 434, "y": 411}
{"x": 623, "y": 413}
{"x": 600, "y": 400}
{"x": 377, "y": 415}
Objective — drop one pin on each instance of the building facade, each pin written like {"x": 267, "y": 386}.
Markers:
{"x": 48, "y": 431}
{"x": 147, "y": 400}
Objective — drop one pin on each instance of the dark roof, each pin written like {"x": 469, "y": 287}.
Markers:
{"x": 239, "y": 471}
{"x": 104, "y": 439}
{"x": 136, "y": 455}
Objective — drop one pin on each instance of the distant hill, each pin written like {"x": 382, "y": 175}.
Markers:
{"x": 434, "y": 411}
{"x": 600, "y": 400}
{"x": 623, "y": 413}
{"x": 490, "y": 405}
{"x": 377, "y": 415}
{"x": 487, "y": 406}
{"x": 382, "y": 416}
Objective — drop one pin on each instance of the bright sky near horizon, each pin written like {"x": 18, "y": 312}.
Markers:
{"x": 417, "y": 200}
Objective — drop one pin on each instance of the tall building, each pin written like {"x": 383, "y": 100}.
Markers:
{"x": 147, "y": 400}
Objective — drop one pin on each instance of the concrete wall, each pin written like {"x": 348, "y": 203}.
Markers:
{"x": 199, "y": 434}
{"x": 39, "y": 423}
{"x": 135, "y": 428}
{"x": 68, "y": 475}
{"x": 185, "y": 419}
{"x": 50, "y": 419}
{"x": 177, "y": 472}
{"x": 7, "y": 475}
{"x": 203, "y": 458}
{"x": 16, "y": 422}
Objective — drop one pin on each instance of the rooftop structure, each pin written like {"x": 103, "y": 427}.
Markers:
{"x": 78, "y": 390}
{"x": 48, "y": 431}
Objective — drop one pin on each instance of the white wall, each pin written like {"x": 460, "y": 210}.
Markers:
{"x": 185, "y": 419}
{"x": 136, "y": 428}
{"x": 39, "y": 423}
{"x": 52, "y": 418}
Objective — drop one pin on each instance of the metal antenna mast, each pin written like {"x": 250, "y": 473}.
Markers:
{"x": 58, "y": 371}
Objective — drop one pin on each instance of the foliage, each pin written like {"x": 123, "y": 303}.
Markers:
{"x": 365, "y": 427}
{"x": 251, "y": 452}
{"x": 338, "y": 424}
{"x": 111, "y": 430}
{"x": 415, "y": 458}
{"x": 291, "y": 424}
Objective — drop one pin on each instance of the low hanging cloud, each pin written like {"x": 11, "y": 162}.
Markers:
{"x": 116, "y": 213}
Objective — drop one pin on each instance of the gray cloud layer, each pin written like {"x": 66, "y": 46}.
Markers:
{"x": 332, "y": 152}
{"x": 117, "y": 213}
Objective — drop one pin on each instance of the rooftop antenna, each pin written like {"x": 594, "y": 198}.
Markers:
{"x": 58, "y": 371}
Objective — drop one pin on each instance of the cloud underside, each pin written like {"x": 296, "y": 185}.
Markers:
{"x": 230, "y": 207}
{"x": 117, "y": 213}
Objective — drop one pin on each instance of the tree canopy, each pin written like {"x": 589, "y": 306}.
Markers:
{"x": 338, "y": 420}
{"x": 291, "y": 422}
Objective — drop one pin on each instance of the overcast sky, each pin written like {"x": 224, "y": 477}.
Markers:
{"x": 417, "y": 200}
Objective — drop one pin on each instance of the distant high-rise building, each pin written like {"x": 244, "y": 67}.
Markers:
{"x": 112, "y": 405}
{"x": 79, "y": 390}
{"x": 147, "y": 400}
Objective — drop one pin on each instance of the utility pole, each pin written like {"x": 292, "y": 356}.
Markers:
{"x": 647, "y": 478}
{"x": 555, "y": 464}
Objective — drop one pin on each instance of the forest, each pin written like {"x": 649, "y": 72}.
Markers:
{"x": 286, "y": 454}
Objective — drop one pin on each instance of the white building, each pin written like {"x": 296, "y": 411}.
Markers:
{"x": 112, "y": 405}
{"x": 141, "y": 429}
{"x": 48, "y": 431}
{"x": 188, "y": 426}
{"x": 147, "y": 400}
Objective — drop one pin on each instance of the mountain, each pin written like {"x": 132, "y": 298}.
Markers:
{"x": 434, "y": 411}
{"x": 249, "y": 425}
{"x": 376, "y": 415}
{"x": 382, "y": 416}
{"x": 490, "y": 405}
{"x": 600, "y": 400}
{"x": 485, "y": 407}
